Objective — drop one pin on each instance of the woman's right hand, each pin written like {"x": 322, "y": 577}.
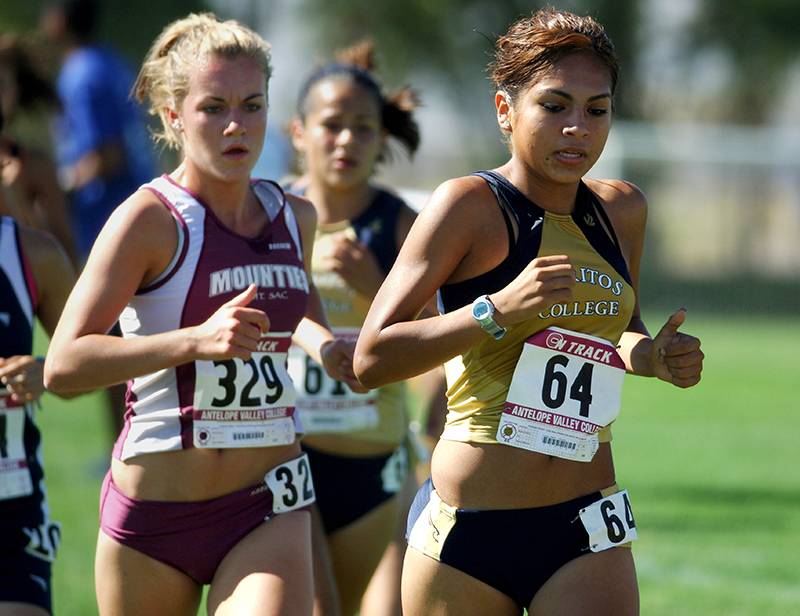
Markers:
{"x": 21, "y": 375}
{"x": 234, "y": 330}
{"x": 545, "y": 281}
{"x": 337, "y": 359}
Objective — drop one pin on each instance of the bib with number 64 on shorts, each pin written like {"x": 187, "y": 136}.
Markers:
{"x": 327, "y": 405}
{"x": 245, "y": 403}
{"x": 566, "y": 387}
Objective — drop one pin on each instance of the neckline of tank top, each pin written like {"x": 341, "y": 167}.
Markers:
{"x": 580, "y": 197}
{"x": 261, "y": 232}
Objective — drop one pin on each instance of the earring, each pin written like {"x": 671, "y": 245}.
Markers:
{"x": 177, "y": 125}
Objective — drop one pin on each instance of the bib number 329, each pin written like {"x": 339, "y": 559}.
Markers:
{"x": 291, "y": 485}
{"x": 609, "y": 522}
{"x": 240, "y": 403}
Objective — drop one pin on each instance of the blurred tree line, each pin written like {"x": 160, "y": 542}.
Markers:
{"x": 452, "y": 40}
{"x": 129, "y": 26}
{"x": 761, "y": 40}
{"x": 455, "y": 38}
{"x": 757, "y": 39}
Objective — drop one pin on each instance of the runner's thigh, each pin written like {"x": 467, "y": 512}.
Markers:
{"x": 430, "y": 588}
{"x": 591, "y": 585}
{"x": 268, "y": 572}
{"x": 128, "y": 582}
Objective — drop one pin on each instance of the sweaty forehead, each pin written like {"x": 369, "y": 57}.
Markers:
{"x": 581, "y": 70}
{"x": 218, "y": 74}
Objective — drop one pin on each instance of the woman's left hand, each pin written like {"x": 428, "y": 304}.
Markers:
{"x": 337, "y": 359}
{"x": 23, "y": 376}
{"x": 356, "y": 264}
{"x": 676, "y": 356}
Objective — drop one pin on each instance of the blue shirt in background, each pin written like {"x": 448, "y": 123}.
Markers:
{"x": 94, "y": 87}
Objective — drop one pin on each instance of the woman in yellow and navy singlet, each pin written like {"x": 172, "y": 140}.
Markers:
{"x": 355, "y": 440}
{"x": 536, "y": 270}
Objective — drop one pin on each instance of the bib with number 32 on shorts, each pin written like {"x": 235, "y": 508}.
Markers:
{"x": 245, "y": 403}
{"x": 566, "y": 387}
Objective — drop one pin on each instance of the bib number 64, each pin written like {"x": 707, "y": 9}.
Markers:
{"x": 555, "y": 383}
{"x": 609, "y": 522}
{"x": 291, "y": 485}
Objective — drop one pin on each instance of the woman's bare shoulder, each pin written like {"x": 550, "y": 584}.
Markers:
{"x": 624, "y": 202}
{"x": 40, "y": 247}
{"x": 467, "y": 199}
{"x": 303, "y": 210}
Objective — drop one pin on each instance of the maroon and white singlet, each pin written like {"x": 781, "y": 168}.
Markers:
{"x": 229, "y": 403}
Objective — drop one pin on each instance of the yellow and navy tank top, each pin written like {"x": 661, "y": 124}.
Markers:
{"x": 602, "y": 304}
{"x": 375, "y": 227}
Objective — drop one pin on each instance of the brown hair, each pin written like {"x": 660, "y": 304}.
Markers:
{"x": 164, "y": 76}
{"x": 33, "y": 88}
{"x": 535, "y": 44}
{"x": 357, "y": 63}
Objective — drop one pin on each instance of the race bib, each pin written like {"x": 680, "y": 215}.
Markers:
{"x": 250, "y": 403}
{"x": 566, "y": 387}
{"x": 15, "y": 476}
{"x": 291, "y": 485}
{"x": 395, "y": 471}
{"x": 43, "y": 540}
{"x": 325, "y": 404}
{"x": 609, "y": 522}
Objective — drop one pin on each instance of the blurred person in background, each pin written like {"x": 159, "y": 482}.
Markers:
{"x": 537, "y": 273}
{"x": 35, "y": 279}
{"x": 209, "y": 275}
{"x": 28, "y": 173}
{"x": 357, "y": 443}
{"x": 103, "y": 150}
{"x": 276, "y": 157}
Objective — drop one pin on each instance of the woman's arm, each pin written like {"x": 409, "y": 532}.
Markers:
{"x": 458, "y": 235}
{"x": 136, "y": 245}
{"x": 671, "y": 355}
{"x": 313, "y": 331}
{"x": 53, "y": 272}
{"x": 54, "y": 276}
{"x": 50, "y": 200}
{"x": 393, "y": 344}
{"x": 313, "y": 334}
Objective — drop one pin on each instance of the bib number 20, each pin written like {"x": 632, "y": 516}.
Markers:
{"x": 291, "y": 485}
{"x": 43, "y": 540}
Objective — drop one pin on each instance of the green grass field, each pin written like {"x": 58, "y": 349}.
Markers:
{"x": 713, "y": 473}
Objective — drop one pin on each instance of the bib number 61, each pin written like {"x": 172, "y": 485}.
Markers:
{"x": 609, "y": 522}
{"x": 291, "y": 485}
